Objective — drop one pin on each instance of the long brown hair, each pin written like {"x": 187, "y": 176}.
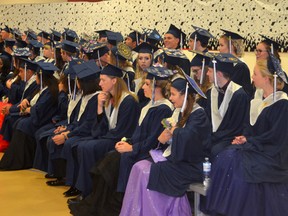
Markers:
{"x": 188, "y": 109}
{"x": 120, "y": 87}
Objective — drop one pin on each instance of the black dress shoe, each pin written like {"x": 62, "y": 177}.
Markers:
{"x": 72, "y": 192}
{"x": 75, "y": 200}
{"x": 50, "y": 176}
{"x": 57, "y": 182}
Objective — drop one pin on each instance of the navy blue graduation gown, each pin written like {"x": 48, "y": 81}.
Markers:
{"x": 143, "y": 140}
{"x": 233, "y": 123}
{"x": 92, "y": 150}
{"x": 184, "y": 165}
{"x": 265, "y": 154}
{"x": 20, "y": 153}
{"x": 241, "y": 76}
{"x": 9, "y": 120}
{"x": 16, "y": 91}
{"x": 41, "y": 135}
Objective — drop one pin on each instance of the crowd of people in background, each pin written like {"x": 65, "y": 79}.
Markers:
{"x": 127, "y": 122}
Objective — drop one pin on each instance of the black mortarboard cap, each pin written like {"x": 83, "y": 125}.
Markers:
{"x": 112, "y": 70}
{"x": 99, "y": 50}
{"x": 44, "y": 34}
{"x": 9, "y": 42}
{"x": 69, "y": 46}
{"x": 177, "y": 57}
{"x": 271, "y": 42}
{"x": 31, "y": 35}
{"x": 87, "y": 70}
{"x": 201, "y": 34}
{"x": 69, "y": 70}
{"x": 232, "y": 35}
{"x": 46, "y": 67}
{"x": 34, "y": 45}
{"x": 69, "y": 35}
{"x": 145, "y": 48}
{"x": 102, "y": 33}
{"x": 158, "y": 73}
{"x": 114, "y": 37}
{"x": 20, "y": 43}
{"x": 180, "y": 85}
{"x": 224, "y": 62}
{"x": 176, "y": 32}
{"x": 198, "y": 59}
{"x": 274, "y": 66}
{"x": 135, "y": 35}
{"x": 31, "y": 65}
{"x": 55, "y": 35}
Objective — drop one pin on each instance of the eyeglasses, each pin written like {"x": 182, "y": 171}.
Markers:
{"x": 259, "y": 51}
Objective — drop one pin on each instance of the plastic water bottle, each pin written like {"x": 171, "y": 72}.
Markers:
{"x": 206, "y": 172}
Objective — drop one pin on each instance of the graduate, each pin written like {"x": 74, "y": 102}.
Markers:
{"x": 144, "y": 60}
{"x": 158, "y": 188}
{"x": 174, "y": 38}
{"x": 199, "y": 39}
{"x": 105, "y": 198}
{"x": 114, "y": 121}
{"x": 251, "y": 176}
{"x": 232, "y": 43}
{"x": 57, "y": 123}
{"x": 199, "y": 68}
{"x": 27, "y": 74}
{"x": 228, "y": 104}
{"x": 65, "y": 143}
{"x": 43, "y": 106}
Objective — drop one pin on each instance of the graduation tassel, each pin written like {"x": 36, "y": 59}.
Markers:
{"x": 153, "y": 91}
{"x": 230, "y": 45}
{"x": 100, "y": 64}
{"x": 74, "y": 90}
{"x": 185, "y": 98}
{"x": 41, "y": 80}
{"x": 137, "y": 41}
{"x": 194, "y": 45}
{"x": 272, "y": 48}
{"x": 274, "y": 86}
{"x": 25, "y": 72}
{"x": 202, "y": 72}
{"x": 69, "y": 86}
{"x": 181, "y": 41}
{"x": 128, "y": 82}
{"x": 214, "y": 73}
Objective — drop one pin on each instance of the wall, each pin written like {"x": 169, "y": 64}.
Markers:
{"x": 247, "y": 17}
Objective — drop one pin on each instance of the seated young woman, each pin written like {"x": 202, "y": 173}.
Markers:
{"x": 251, "y": 176}
{"x": 159, "y": 188}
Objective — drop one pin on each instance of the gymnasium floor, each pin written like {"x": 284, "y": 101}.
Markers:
{"x": 25, "y": 193}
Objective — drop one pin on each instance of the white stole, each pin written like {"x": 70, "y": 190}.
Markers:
{"x": 257, "y": 105}
{"x": 217, "y": 115}
{"x": 112, "y": 119}
{"x": 145, "y": 109}
{"x": 84, "y": 101}
{"x": 36, "y": 97}
{"x": 175, "y": 117}
{"x": 72, "y": 104}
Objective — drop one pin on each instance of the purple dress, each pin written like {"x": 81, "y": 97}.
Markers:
{"x": 140, "y": 201}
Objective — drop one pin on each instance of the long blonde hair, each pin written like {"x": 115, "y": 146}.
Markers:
{"x": 237, "y": 45}
{"x": 262, "y": 65}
